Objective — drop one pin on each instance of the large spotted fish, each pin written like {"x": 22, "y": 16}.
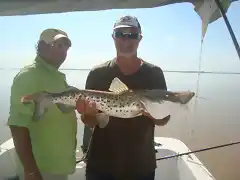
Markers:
{"x": 119, "y": 102}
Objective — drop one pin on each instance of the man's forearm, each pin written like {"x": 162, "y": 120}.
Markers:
{"x": 22, "y": 143}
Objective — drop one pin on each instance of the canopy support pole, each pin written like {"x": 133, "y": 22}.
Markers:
{"x": 234, "y": 39}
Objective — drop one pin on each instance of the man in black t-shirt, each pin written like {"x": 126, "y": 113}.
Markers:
{"x": 124, "y": 149}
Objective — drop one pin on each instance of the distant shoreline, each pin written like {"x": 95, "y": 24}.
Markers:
{"x": 172, "y": 71}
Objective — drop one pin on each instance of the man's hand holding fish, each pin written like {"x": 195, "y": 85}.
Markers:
{"x": 89, "y": 110}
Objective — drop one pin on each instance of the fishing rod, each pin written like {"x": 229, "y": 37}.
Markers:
{"x": 234, "y": 39}
{"x": 181, "y": 154}
{"x": 199, "y": 150}
{"x": 162, "y": 158}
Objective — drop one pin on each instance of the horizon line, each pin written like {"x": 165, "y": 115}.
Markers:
{"x": 172, "y": 71}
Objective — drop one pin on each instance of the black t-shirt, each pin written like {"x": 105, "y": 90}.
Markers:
{"x": 125, "y": 147}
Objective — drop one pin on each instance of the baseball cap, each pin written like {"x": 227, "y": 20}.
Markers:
{"x": 127, "y": 21}
{"x": 50, "y": 35}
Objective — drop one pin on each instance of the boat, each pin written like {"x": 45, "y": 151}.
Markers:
{"x": 187, "y": 167}
{"x": 178, "y": 162}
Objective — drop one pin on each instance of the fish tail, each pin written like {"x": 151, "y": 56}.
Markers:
{"x": 41, "y": 101}
{"x": 159, "y": 103}
{"x": 159, "y": 95}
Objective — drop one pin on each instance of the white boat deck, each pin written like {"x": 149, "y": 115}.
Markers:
{"x": 187, "y": 167}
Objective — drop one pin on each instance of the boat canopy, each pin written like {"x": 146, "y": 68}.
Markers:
{"x": 208, "y": 10}
{"x": 26, "y": 7}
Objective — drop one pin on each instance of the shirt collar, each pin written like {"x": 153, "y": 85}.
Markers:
{"x": 47, "y": 66}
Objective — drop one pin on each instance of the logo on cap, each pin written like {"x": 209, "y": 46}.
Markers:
{"x": 126, "y": 18}
{"x": 127, "y": 21}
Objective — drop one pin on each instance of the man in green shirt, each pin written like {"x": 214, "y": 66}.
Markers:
{"x": 46, "y": 149}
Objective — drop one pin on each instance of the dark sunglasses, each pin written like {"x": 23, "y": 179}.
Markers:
{"x": 65, "y": 43}
{"x": 118, "y": 34}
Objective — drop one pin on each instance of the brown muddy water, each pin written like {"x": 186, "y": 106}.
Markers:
{"x": 210, "y": 121}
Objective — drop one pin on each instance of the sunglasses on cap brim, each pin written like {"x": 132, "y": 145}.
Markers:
{"x": 118, "y": 34}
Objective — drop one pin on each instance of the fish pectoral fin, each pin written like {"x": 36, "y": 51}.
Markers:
{"x": 65, "y": 108}
{"x": 117, "y": 86}
{"x": 39, "y": 112}
{"x": 103, "y": 119}
{"x": 41, "y": 108}
{"x": 155, "y": 109}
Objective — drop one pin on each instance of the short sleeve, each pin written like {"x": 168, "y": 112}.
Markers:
{"x": 92, "y": 80}
{"x": 158, "y": 79}
{"x": 21, "y": 114}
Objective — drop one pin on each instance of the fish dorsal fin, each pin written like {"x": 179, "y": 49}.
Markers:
{"x": 117, "y": 86}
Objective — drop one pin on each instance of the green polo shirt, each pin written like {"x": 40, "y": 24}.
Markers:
{"x": 54, "y": 137}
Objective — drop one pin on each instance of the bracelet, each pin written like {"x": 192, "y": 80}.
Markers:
{"x": 32, "y": 174}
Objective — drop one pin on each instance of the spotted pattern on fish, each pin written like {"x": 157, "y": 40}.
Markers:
{"x": 126, "y": 105}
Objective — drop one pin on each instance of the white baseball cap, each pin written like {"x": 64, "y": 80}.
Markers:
{"x": 127, "y": 21}
{"x": 50, "y": 35}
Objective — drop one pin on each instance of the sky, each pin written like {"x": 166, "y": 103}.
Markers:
{"x": 171, "y": 38}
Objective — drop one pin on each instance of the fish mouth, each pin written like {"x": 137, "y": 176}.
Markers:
{"x": 26, "y": 99}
